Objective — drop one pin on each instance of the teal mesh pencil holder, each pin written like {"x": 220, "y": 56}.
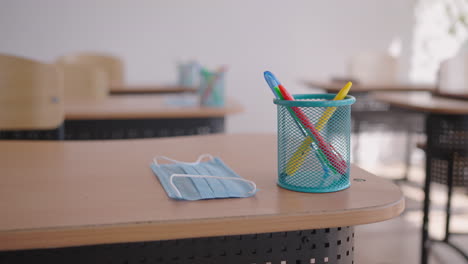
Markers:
{"x": 314, "y": 138}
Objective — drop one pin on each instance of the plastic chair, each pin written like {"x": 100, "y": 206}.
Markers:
{"x": 84, "y": 83}
{"x": 31, "y": 99}
{"x": 453, "y": 75}
{"x": 111, "y": 65}
{"x": 374, "y": 67}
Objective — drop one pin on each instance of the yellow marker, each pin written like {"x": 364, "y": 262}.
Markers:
{"x": 299, "y": 156}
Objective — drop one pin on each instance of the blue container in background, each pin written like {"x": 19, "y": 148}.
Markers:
{"x": 189, "y": 74}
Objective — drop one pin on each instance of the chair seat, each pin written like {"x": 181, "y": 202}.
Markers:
{"x": 421, "y": 145}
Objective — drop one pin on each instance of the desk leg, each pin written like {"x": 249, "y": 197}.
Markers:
{"x": 425, "y": 223}
{"x": 448, "y": 206}
{"x": 408, "y": 151}
{"x": 318, "y": 246}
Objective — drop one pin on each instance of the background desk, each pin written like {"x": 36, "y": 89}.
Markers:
{"x": 450, "y": 94}
{"x": 335, "y": 86}
{"x": 366, "y": 105}
{"x": 446, "y": 149}
{"x": 377, "y": 114}
{"x": 99, "y": 201}
{"x": 150, "y": 89}
{"x": 142, "y": 116}
{"x": 423, "y": 102}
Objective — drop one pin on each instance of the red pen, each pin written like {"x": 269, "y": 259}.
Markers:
{"x": 334, "y": 157}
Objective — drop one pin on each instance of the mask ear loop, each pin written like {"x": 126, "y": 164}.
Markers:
{"x": 171, "y": 181}
{"x": 200, "y": 158}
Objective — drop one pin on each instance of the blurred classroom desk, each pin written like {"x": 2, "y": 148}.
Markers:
{"x": 423, "y": 102}
{"x": 450, "y": 94}
{"x": 100, "y": 201}
{"x": 142, "y": 116}
{"x": 149, "y": 89}
{"x": 446, "y": 128}
{"x": 366, "y": 110}
{"x": 335, "y": 86}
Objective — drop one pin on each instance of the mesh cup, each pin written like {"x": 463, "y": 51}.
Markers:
{"x": 319, "y": 162}
{"x": 211, "y": 89}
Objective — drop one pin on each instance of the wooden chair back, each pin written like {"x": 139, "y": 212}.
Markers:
{"x": 84, "y": 83}
{"x": 31, "y": 95}
{"x": 111, "y": 65}
{"x": 372, "y": 67}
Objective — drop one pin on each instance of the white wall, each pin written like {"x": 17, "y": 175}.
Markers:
{"x": 294, "y": 39}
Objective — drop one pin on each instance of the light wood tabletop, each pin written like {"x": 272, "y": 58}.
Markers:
{"x": 146, "y": 89}
{"x": 335, "y": 86}
{"x": 56, "y": 194}
{"x": 451, "y": 94}
{"x": 423, "y": 101}
{"x": 142, "y": 106}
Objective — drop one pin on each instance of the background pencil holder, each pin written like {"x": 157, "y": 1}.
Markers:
{"x": 211, "y": 88}
{"x": 320, "y": 163}
{"x": 188, "y": 74}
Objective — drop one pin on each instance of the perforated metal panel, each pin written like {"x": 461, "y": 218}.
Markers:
{"x": 447, "y": 145}
{"x": 122, "y": 129}
{"x": 141, "y": 128}
{"x": 330, "y": 245}
{"x": 53, "y": 134}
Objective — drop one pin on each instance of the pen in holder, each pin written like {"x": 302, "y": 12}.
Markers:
{"x": 315, "y": 170}
{"x": 189, "y": 74}
{"x": 211, "y": 90}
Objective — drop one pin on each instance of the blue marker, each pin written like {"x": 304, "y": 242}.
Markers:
{"x": 273, "y": 83}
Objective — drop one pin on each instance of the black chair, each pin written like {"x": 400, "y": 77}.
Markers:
{"x": 446, "y": 163}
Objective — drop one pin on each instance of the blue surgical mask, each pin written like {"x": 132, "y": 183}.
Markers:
{"x": 201, "y": 179}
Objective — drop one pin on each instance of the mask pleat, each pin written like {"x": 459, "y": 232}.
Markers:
{"x": 200, "y": 183}
{"x": 235, "y": 188}
{"x": 217, "y": 185}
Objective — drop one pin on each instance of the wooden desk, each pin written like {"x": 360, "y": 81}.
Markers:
{"x": 141, "y": 116}
{"x": 450, "y": 94}
{"x": 73, "y": 194}
{"x": 446, "y": 149}
{"x": 423, "y": 102}
{"x": 335, "y": 87}
{"x": 370, "y": 111}
{"x": 149, "y": 89}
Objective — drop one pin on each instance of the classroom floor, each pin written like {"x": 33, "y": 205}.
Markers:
{"x": 398, "y": 241}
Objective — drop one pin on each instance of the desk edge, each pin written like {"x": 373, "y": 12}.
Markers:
{"x": 138, "y": 232}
